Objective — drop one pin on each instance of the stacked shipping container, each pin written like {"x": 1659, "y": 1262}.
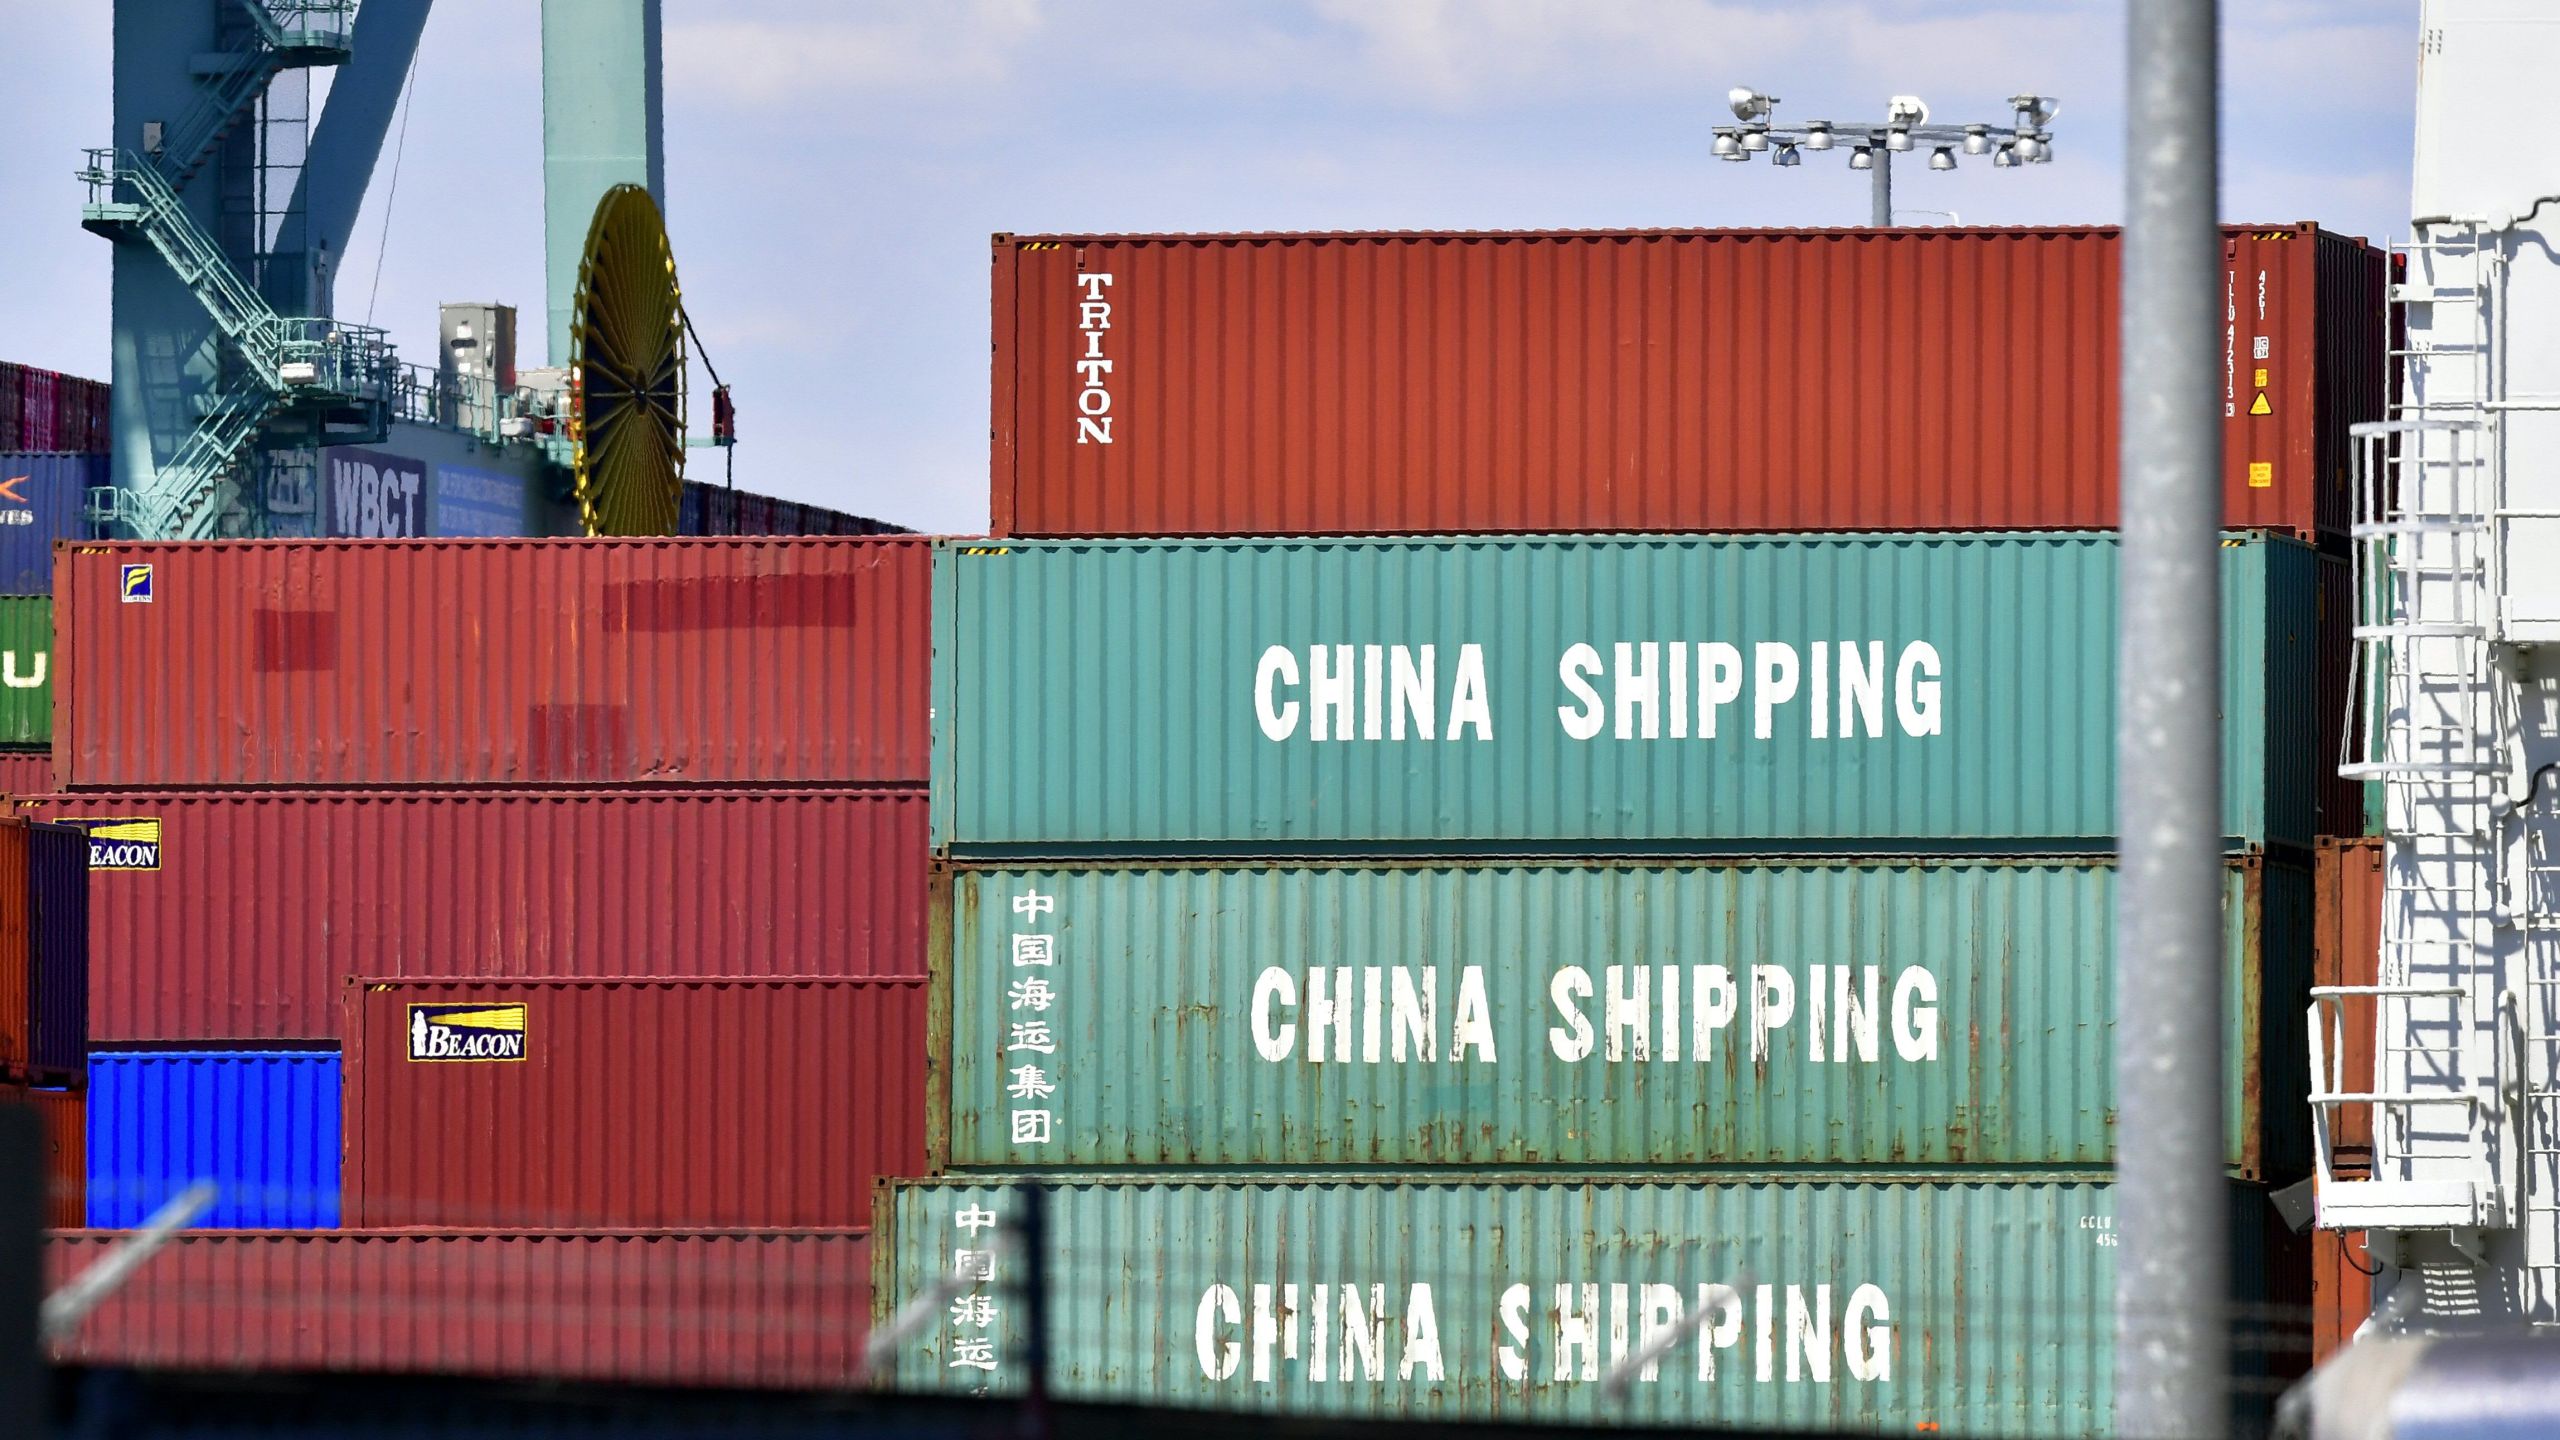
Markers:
{"x": 536, "y": 900}
{"x": 1355, "y": 935}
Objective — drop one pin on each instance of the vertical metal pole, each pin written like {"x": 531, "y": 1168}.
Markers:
{"x": 2172, "y": 1330}
{"x": 1881, "y": 192}
{"x": 22, "y": 1186}
{"x": 1033, "y": 1224}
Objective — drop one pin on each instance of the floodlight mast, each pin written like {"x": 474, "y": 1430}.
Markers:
{"x": 2025, "y": 140}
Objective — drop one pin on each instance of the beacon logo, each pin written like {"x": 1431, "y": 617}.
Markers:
{"x": 466, "y": 1032}
{"x": 121, "y": 842}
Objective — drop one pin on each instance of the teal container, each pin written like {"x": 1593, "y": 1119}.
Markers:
{"x": 1967, "y": 1307}
{"x": 1565, "y": 695}
{"x": 1885, "y": 1013}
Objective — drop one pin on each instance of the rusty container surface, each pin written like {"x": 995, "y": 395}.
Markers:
{"x": 1970, "y": 1307}
{"x": 771, "y": 1309}
{"x": 2346, "y": 950}
{"x": 1648, "y": 380}
{"x": 64, "y": 1114}
{"x": 550, "y": 1104}
{"x": 490, "y": 883}
{"x": 493, "y": 662}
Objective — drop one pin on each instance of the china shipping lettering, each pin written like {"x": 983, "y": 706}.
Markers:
{"x": 1648, "y": 690}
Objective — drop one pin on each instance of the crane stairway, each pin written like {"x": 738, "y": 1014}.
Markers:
{"x": 2464, "y": 1101}
{"x": 307, "y": 379}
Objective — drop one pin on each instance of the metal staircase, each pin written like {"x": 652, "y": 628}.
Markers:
{"x": 304, "y": 378}
{"x": 2435, "y": 717}
{"x": 284, "y": 35}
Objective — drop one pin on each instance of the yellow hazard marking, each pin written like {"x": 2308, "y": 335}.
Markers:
{"x": 2262, "y": 474}
{"x": 2260, "y": 406}
{"x": 2262, "y": 377}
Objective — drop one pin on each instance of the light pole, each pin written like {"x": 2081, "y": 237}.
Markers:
{"x": 1905, "y": 130}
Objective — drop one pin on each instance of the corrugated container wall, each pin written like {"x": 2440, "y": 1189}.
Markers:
{"x": 2347, "y": 951}
{"x": 65, "y": 1135}
{"x": 43, "y": 498}
{"x": 774, "y": 1309}
{"x": 1658, "y": 380}
{"x": 17, "y": 974}
{"x": 495, "y": 662}
{"x": 1977, "y": 1308}
{"x": 1564, "y": 694}
{"x": 688, "y": 1103}
{"x": 58, "y": 943}
{"x": 1866, "y": 1013}
{"x": 490, "y": 883}
{"x": 25, "y": 772}
{"x": 43, "y": 410}
{"x": 705, "y": 509}
{"x": 26, "y": 671}
{"x": 262, "y": 1125}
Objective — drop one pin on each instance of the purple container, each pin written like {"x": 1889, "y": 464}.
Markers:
{"x": 58, "y": 936}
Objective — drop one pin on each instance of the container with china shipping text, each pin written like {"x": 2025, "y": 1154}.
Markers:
{"x": 1975, "y": 1306}
{"x": 1851, "y": 1013}
{"x": 1580, "y": 695}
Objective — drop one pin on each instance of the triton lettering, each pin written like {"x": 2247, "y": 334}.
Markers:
{"x": 1092, "y": 366}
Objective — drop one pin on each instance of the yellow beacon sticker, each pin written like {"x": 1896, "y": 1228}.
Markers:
{"x": 449, "y": 1032}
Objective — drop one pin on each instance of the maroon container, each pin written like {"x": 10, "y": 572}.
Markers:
{"x": 25, "y": 772}
{"x": 263, "y": 902}
{"x": 1654, "y": 380}
{"x": 774, "y": 1309}
{"x": 58, "y": 953}
{"x": 471, "y": 662}
{"x": 550, "y": 1104}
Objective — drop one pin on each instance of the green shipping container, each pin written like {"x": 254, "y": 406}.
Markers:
{"x": 26, "y": 670}
{"x": 1666, "y": 695}
{"x": 1973, "y": 1307}
{"x": 1913, "y": 1012}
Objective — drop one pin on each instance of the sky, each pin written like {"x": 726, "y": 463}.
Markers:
{"x": 834, "y": 167}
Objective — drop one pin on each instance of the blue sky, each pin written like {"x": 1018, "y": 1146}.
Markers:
{"x": 834, "y": 169}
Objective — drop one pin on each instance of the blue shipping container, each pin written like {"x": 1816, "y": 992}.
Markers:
{"x": 43, "y": 498}
{"x": 58, "y": 936}
{"x": 262, "y": 1125}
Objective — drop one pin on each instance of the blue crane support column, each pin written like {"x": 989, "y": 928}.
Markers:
{"x": 165, "y": 353}
{"x": 602, "y": 114}
{"x": 364, "y": 96}
{"x": 2171, "y": 1321}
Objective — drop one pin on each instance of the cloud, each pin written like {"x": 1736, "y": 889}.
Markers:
{"x": 762, "y": 61}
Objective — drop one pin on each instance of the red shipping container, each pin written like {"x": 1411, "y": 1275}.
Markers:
{"x": 25, "y": 772}
{"x": 499, "y": 662}
{"x": 65, "y": 1116}
{"x": 771, "y": 1309}
{"x": 237, "y": 916}
{"x": 2347, "y": 950}
{"x": 1648, "y": 380}
{"x": 571, "y": 1103}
